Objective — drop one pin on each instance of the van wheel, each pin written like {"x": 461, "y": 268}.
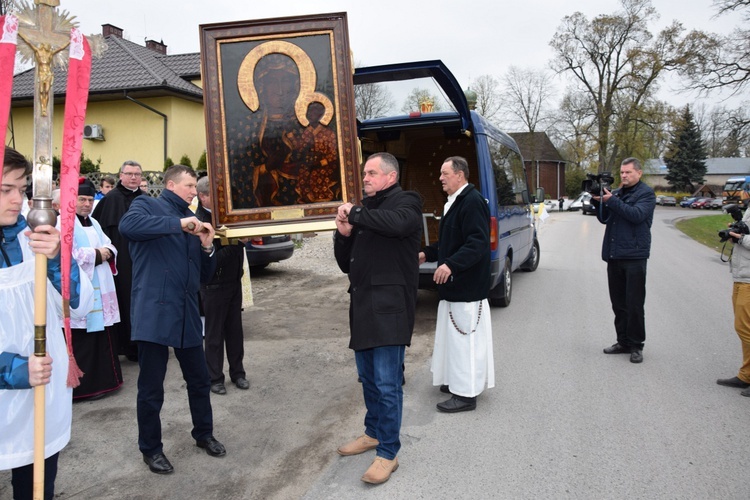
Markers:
{"x": 533, "y": 261}
{"x": 501, "y": 294}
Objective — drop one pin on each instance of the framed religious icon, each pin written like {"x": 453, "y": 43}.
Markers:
{"x": 280, "y": 123}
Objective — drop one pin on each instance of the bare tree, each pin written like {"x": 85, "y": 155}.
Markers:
{"x": 716, "y": 61}
{"x": 416, "y": 96}
{"x": 526, "y": 98}
{"x": 488, "y": 96}
{"x": 372, "y": 100}
{"x": 613, "y": 54}
{"x": 7, "y": 6}
{"x": 726, "y": 131}
{"x": 574, "y": 133}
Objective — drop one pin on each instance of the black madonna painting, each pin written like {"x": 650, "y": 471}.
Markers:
{"x": 280, "y": 119}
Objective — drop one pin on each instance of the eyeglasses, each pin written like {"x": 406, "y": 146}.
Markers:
{"x": 132, "y": 174}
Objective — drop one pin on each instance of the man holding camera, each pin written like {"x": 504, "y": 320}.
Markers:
{"x": 627, "y": 212}
{"x": 739, "y": 265}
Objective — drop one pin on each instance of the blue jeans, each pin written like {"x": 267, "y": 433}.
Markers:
{"x": 381, "y": 374}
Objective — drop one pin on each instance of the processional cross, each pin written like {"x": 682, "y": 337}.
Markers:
{"x": 45, "y": 33}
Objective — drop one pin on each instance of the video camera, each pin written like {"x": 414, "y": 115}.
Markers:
{"x": 738, "y": 226}
{"x": 597, "y": 183}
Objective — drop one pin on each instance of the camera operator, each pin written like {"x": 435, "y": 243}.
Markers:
{"x": 627, "y": 212}
{"x": 739, "y": 265}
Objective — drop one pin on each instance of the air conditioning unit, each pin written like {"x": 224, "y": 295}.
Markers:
{"x": 94, "y": 132}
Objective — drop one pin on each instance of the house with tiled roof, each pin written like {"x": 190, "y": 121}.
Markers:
{"x": 144, "y": 105}
{"x": 544, "y": 163}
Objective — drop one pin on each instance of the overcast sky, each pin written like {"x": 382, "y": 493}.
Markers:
{"x": 472, "y": 38}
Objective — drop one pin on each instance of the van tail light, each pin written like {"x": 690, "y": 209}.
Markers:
{"x": 257, "y": 241}
{"x": 493, "y": 234}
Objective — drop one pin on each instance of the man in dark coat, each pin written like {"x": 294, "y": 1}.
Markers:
{"x": 462, "y": 360}
{"x": 628, "y": 212}
{"x": 222, "y": 305}
{"x": 377, "y": 244}
{"x": 172, "y": 254}
{"x": 108, "y": 212}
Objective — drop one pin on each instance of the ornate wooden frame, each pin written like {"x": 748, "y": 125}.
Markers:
{"x": 274, "y": 169}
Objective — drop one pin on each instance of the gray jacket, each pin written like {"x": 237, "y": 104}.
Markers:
{"x": 739, "y": 264}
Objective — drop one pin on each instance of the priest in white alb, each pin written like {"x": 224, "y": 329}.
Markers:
{"x": 462, "y": 360}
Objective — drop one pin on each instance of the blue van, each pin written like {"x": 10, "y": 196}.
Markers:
{"x": 422, "y": 140}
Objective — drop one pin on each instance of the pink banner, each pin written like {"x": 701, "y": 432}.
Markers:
{"x": 76, "y": 99}
{"x": 8, "y": 35}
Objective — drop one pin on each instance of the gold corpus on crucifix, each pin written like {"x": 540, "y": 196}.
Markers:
{"x": 44, "y": 34}
{"x": 43, "y": 54}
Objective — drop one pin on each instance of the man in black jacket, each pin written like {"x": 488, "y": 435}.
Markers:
{"x": 376, "y": 244}
{"x": 462, "y": 358}
{"x": 108, "y": 213}
{"x": 628, "y": 212}
{"x": 222, "y": 305}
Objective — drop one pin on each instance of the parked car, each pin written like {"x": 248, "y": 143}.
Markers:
{"x": 700, "y": 203}
{"x": 685, "y": 203}
{"x": 659, "y": 198}
{"x": 577, "y": 204}
{"x": 587, "y": 208}
{"x": 717, "y": 202}
{"x": 263, "y": 250}
{"x": 668, "y": 201}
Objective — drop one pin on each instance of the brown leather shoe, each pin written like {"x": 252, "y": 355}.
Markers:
{"x": 360, "y": 445}
{"x": 380, "y": 471}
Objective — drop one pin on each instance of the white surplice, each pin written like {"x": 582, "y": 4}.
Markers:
{"x": 464, "y": 362}
{"x": 17, "y": 335}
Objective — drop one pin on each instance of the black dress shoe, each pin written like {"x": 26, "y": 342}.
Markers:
{"x": 455, "y": 405}
{"x": 219, "y": 388}
{"x": 242, "y": 383}
{"x": 212, "y": 446}
{"x": 636, "y": 356}
{"x": 616, "y": 349}
{"x": 158, "y": 463}
{"x": 445, "y": 389}
{"x": 733, "y": 382}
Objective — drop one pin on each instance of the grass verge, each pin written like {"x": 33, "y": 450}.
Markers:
{"x": 705, "y": 229}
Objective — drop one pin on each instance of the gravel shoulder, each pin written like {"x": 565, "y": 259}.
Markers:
{"x": 281, "y": 435}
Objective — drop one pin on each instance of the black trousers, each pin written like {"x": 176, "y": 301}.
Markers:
{"x": 22, "y": 479}
{"x": 152, "y": 359}
{"x": 627, "y": 292}
{"x": 222, "y": 306}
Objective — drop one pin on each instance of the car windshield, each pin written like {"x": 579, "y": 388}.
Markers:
{"x": 399, "y": 98}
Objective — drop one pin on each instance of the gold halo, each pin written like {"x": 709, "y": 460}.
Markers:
{"x": 307, "y": 77}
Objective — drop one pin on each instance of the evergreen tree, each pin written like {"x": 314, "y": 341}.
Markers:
{"x": 686, "y": 154}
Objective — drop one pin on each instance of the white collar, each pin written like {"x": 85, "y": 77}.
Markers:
{"x": 453, "y": 196}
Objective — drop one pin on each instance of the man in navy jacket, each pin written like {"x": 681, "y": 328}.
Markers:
{"x": 628, "y": 213}
{"x": 172, "y": 254}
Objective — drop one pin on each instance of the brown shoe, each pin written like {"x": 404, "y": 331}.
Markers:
{"x": 380, "y": 471}
{"x": 360, "y": 445}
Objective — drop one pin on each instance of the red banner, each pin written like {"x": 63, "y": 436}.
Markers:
{"x": 76, "y": 99}
{"x": 8, "y": 35}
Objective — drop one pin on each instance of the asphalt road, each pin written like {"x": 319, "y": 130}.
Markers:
{"x": 564, "y": 421}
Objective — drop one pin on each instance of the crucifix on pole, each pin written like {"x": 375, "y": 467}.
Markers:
{"x": 45, "y": 33}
